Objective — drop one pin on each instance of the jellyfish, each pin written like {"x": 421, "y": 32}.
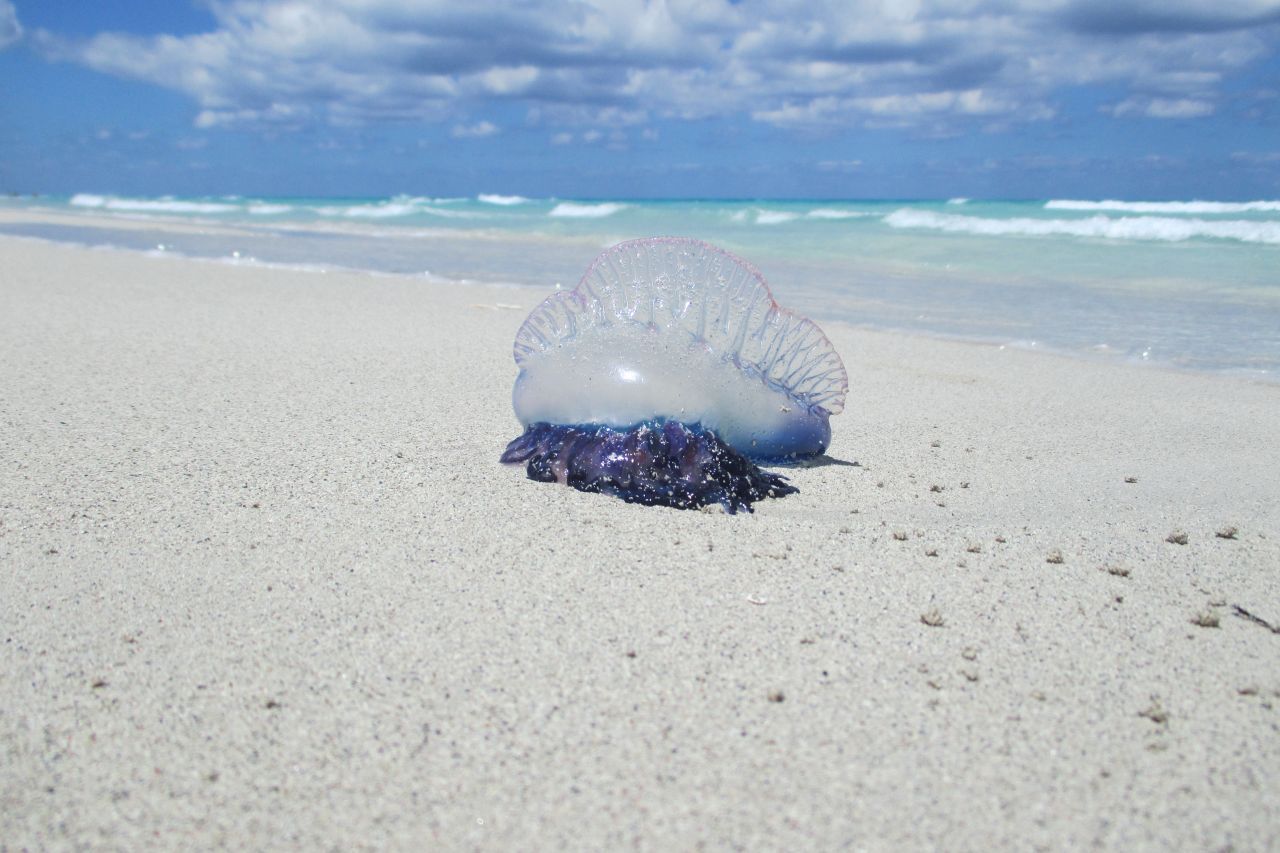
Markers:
{"x": 668, "y": 376}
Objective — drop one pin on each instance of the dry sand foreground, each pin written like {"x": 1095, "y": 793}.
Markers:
{"x": 264, "y": 584}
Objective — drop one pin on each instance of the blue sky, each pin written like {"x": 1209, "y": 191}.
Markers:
{"x": 604, "y": 98}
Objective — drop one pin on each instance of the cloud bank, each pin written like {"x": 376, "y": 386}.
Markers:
{"x": 932, "y": 66}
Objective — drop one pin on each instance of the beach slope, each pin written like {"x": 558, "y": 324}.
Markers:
{"x": 264, "y": 584}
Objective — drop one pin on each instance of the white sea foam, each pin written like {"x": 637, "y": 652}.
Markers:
{"x": 87, "y": 200}
{"x": 382, "y": 210}
{"x": 774, "y": 217}
{"x": 958, "y": 200}
{"x": 269, "y": 209}
{"x": 163, "y": 205}
{"x": 166, "y": 206}
{"x": 1160, "y": 228}
{"x": 504, "y": 200}
{"x": 1202, "y": 207}
{"x": 450, "y": 214}
{"x": 575, "y": 210}
{"x": 395, "y": 208}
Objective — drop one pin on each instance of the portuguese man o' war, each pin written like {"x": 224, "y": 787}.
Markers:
{"x": 666, "y": 375}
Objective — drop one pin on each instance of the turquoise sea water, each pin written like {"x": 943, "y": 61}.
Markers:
{"x": 1191, "y": 284}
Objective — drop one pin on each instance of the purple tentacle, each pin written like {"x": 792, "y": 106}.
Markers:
{"x": 666, "y": 463}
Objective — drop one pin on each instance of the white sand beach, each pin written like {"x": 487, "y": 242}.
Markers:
{"x": 263, "y": 584}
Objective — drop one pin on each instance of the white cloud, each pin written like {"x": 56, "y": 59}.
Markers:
{"x": 1161, "y": 108}
{"x": 507, "y": 81}
{"x": 1178, "y": 108}
{"x": 969, "y": 102}
{"x": 1256, "y": 158}
{"x": 810, "y": 112}
{"x": 474, "y": 131}
{"x": 10, "y": 29}
{"x": 603, "y": 64}
{"x": 275, "y": 114}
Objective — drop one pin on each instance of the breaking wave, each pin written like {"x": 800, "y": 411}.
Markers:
{"x": 369, "y": 211}
{"x": 1193, "y": 207}
{"x": 576, "y": 210}
{"x": 162, "y": 205}
{"x": 503, "y": 200}
{"x": 758, "y": 216}
{"x": 774, "y": 217}
{"x": 1160, "y": 228}
{"x": 392, "y": 209}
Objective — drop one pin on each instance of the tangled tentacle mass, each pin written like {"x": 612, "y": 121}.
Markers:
{"x": 665, "y": 463}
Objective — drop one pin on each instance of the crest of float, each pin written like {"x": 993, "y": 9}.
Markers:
{"x": 676, "y": 331}
{"x": 682, "y": 330}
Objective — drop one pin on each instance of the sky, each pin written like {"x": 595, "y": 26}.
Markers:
{"x": 1138, "y": 99}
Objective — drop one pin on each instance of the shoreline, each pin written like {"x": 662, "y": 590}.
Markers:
{"x": 143, "y": 222}
{"x": 264, "y": 583}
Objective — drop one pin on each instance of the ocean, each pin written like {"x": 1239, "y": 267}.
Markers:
{"x": 1183, "y": 284}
